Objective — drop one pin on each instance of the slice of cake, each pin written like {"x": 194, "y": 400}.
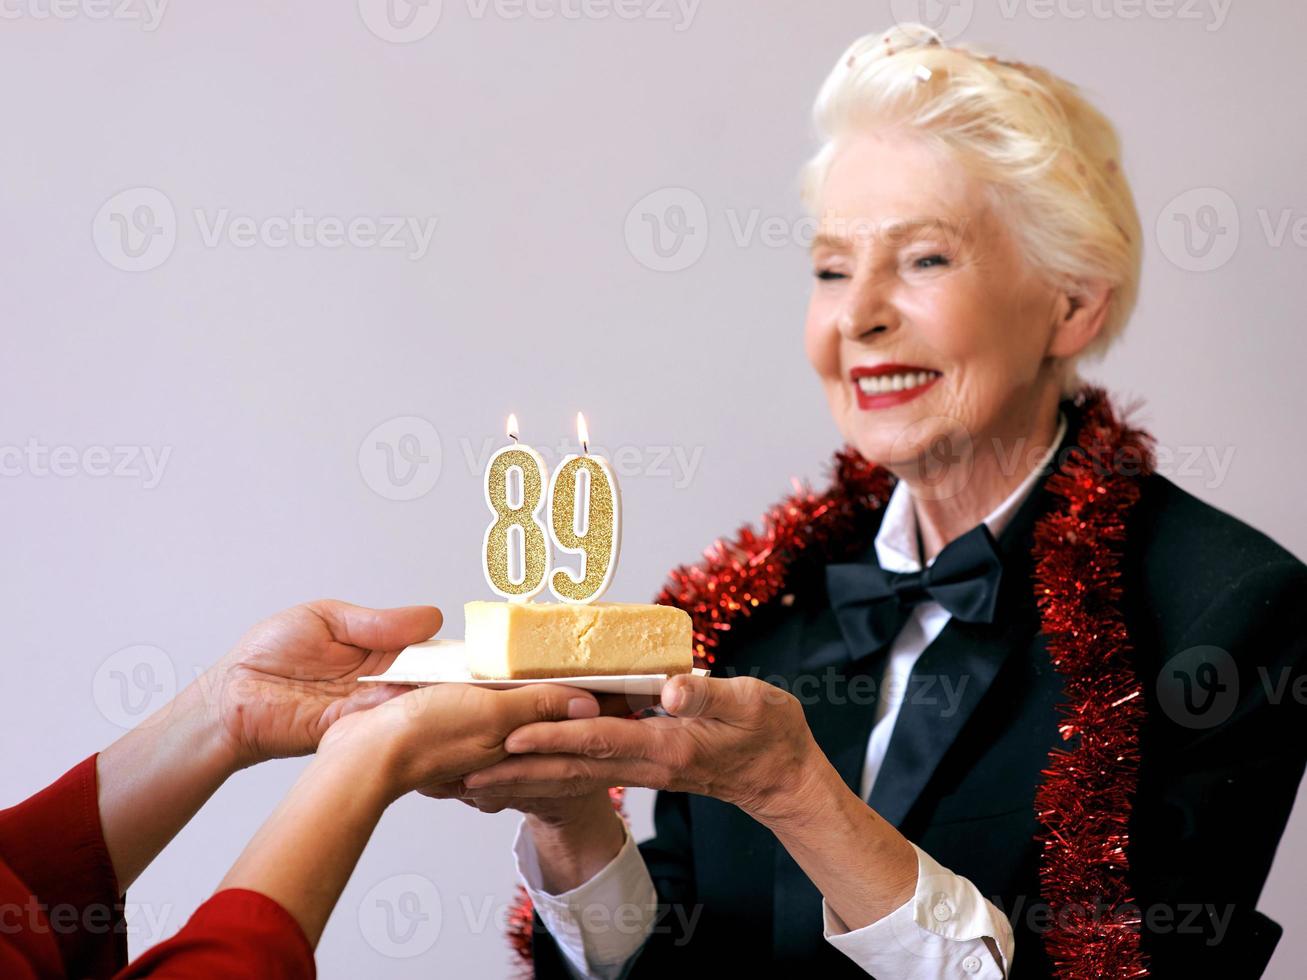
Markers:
{"x": 524, "y": 640}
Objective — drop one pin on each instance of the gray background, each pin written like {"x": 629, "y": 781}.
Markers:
{"x": 266, "y": 370}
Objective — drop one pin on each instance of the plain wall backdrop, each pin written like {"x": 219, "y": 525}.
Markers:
{"x": 183, "y": 286}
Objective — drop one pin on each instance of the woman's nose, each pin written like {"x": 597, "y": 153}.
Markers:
{"x": 853, "y": 330}
{"x": 866, "y": 313}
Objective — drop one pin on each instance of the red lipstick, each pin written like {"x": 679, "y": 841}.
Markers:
{"x": 887, "y": 385}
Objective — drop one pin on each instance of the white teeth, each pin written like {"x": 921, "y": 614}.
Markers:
{"x": 883, "y": 383}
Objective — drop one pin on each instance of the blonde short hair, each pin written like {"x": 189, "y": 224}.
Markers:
{"x": 1052, "y": 160}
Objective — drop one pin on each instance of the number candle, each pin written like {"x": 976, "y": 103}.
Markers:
{"x": 520, "y": 521}
{"x": 588, "y": 524}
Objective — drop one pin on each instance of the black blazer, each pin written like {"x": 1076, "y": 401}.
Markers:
{"x": 1217, "y": 780}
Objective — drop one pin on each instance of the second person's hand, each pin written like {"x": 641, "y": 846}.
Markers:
{"x": 303, "y": 856}
{"x": 288, "y": 679}
{"x": 437, "y": 734}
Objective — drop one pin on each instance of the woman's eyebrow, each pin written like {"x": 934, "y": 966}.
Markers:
{"x": 888, "y": 233}
{"x": 946, "y": 225}
{"x": 825, "y": 239}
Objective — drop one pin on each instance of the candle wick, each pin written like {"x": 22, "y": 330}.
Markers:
{"x": 585, "y": 448}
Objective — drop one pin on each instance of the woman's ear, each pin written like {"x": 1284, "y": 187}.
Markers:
{"x": 1081, "y": 312}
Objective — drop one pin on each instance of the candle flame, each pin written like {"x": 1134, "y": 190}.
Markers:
{"x": 511, "y": 428}
{"x": 583, "y": 433}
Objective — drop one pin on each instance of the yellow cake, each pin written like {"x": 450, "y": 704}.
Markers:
{"x": 524, "y": 640}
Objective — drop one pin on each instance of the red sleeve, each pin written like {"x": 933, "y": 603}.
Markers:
{"x": 236, "y": 933}
{"x": 54, "y": 847}
{"x": 27, "y": 946}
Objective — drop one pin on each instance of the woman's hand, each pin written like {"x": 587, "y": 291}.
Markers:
{"x": 273, "y": 695}
{"x": 436, "y": 734}
{"x": 744, "y": 742}
{"x": 553, "y": 812}
{"x": 303, "y": 856}
{"x": 737, "y": 739}
{"x": 575, "y": 837}
{"x": 290, "y": 677}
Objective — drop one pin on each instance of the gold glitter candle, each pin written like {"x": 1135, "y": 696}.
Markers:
{"x": 588, "y": 524}
{"x": 518, "y": 520}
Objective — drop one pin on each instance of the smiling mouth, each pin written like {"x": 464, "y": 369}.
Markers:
{"x": 883, "y": 384}
{"x": 887, "y": 385}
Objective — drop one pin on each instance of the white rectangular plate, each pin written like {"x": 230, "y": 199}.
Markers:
{"x": 442, "y": 662}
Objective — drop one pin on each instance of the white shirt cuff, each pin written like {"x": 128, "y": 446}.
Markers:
{"x": 939, "y": 933}
{"x": 602, "y": 923}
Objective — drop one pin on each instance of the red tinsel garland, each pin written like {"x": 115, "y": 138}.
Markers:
{"x": 1085, "y": 800}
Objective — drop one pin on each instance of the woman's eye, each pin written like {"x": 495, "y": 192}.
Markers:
{"x": 930, "y": 261}
{"x": 828, "y": 274}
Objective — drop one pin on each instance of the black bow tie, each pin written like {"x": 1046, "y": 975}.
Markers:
{"x": 872, "y": 604}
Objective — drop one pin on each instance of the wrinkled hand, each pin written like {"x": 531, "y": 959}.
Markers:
{"x": 737, "y": 739}
{"x": 292, "y": 676}
{"x": 549, "y": 811}
{"x": 553, "y": 811}
{"x": 433, "y": 735}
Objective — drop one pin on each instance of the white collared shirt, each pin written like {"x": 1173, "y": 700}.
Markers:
{"x": 946, "y": 930}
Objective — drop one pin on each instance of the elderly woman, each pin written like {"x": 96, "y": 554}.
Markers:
{"x": 1001, "y": 702}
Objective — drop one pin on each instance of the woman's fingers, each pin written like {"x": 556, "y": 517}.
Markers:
{"x": 378, "y": 629}
{"x": 456, "y": 791}
{"x": 543, "y": 703}
{"x": 561, "y": 776}
{"x": 452, "y": 790}
{"x": 740, "y": 701}
{"x": 435, "y": 734}
{"x": 462, "y": 709}
{"x": 623, "y": 705}
{"x": 527, "y": 794}
{"x": 598, "y": 738}
{"x": 367, "y": 696}
{"x": 688, "y": 696}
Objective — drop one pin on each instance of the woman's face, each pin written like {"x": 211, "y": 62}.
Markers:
{"x": 926, "y": 326}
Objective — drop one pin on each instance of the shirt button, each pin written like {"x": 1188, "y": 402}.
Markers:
{"x": 942, "y": 912}
{"x": 971, "y": 964}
